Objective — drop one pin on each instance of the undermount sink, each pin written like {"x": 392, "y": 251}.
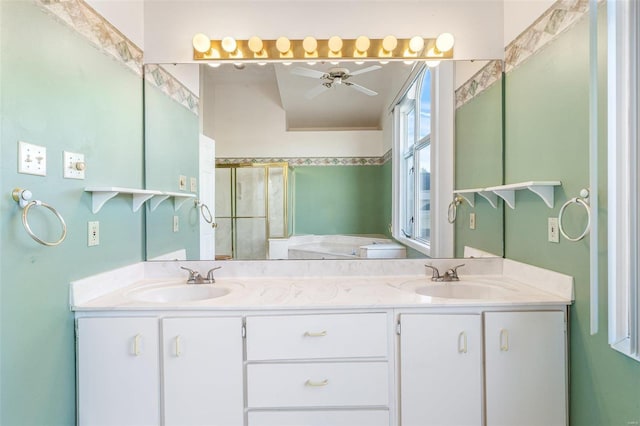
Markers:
{"x": 179, "y": 293}
{"x": 457, "y": 290}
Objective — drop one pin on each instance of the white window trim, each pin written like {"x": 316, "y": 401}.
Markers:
{"x": 442, "y": 166}
{"x": 623, "y": 171}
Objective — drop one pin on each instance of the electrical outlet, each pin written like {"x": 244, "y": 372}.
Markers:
{"x": 93, "y": 235}
{"x": 193, "y": 184}
{"x": 73, "y": 165}
{"x": 553, "y": 235}
{"x": 176, "y": 224}
{"x": 472, "y": 221}
{"x": 182, "y": 182}
{"x": 32, "y": 159}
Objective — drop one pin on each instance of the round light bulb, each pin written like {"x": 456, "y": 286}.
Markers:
{"x": 229, "y": 44}
{"x": 335, "y": 44}
{"x": 309, "y": 44}
{"x": 445, "y": 42}
{"x": 389, "y": 43}
{"x": 283, "y": 45}
{"x": 214, "y": 64}
{"x": 255, "y": 44}
{"x": 262, "y": 64}
{"x": 432, "y": 64}
{"x": 416, "y": 44}
{"x": 362, "y": 44}
{"x": 201, "y": 43}
{"x": 408, "y": 62}
{"x": 286, "y": 64}
{"x": 359, "y": 62}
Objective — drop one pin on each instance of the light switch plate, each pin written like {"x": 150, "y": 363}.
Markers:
{"x": 73, "y": 165}
{"x": 176, "y": 224}
{"x": 553, "y": 233}
{"x": 193, "y": 184}
{"x": 182, "y": 183}
{"x": 32, "y": 159}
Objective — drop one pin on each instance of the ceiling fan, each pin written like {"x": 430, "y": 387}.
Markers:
{"x": 334, "y": 77}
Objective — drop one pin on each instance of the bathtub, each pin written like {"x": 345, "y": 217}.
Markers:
{"x": 334, "y": 247}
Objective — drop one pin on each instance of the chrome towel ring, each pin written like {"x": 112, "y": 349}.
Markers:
{"x": 206, "y": 213}
{"x": 22, "y": 197}
{"x": 452, "y": 211}
{"x": 581, "y": 200}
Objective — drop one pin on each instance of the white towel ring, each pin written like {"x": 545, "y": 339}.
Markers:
{"x": 583, "y": 203}
{"x": 452, "y": 211}
{"x": 25, "y": 222}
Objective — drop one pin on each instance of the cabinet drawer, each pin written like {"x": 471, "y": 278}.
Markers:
{"x": 318, "y": 384}
{"x": 320, "y": 418}
{"x": 317, "y": 336}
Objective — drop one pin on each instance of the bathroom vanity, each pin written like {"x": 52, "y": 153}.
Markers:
{"x": 360, "y": 344}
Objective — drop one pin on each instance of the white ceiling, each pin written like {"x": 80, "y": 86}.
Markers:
{"x": 339, "y": 108}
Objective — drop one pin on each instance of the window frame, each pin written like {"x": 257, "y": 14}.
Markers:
{"x": 623, "y": 170}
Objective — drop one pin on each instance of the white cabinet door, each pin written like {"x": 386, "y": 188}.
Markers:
{"x": 202, "y": 365}
{"x": 525, "y": 356}
{"x": 118, "y": 380}
{"x": 441, "y": 370}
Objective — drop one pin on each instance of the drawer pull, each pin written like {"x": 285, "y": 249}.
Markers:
{"x": 313, "y": 383}
{"x": 315, "y": 333}
{"x": 136, "y": 344}
{"x": 178, "y": 348}
{"x": 504, "y": 340}
{"x": 462, "y": 342}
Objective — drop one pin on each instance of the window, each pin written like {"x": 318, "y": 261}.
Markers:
{"x": 413, "y": 140}
{"x": 624, "y": 170}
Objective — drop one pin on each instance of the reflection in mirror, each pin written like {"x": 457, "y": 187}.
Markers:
{"x": 297, "y": 159}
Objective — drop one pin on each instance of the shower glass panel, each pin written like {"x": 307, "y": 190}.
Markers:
{"x": 251, "y": 208}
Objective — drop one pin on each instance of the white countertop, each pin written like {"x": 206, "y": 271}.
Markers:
{"x": 518, "y": 284}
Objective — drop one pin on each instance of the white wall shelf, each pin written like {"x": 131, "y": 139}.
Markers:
{"x": 101, "y": 194}
{"x": 469, "y": 196}
{"x": 178, "y": 199}
{"x": 544, "y": 189}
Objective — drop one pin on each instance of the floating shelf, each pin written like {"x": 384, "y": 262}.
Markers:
{"x": 544, "y": 189}
{"x": 490, "y": 196}
{"x": 101, "y": 194}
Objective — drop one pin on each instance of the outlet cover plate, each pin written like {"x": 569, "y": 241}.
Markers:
{"x": 69, "y": 163}
{"x": 553, "y": 233}
{"x": 93, "y": 233}
{"x": 193, "y": 183}
{"x": 32, "y": 159}
{"x": 472, "y": 221}
{"x": 176, "y": 224}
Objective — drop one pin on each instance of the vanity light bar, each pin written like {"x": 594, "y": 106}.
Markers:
{"x": 333, "y": 49}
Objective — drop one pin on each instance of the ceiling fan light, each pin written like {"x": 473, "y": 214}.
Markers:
{"x": 389, "y": 43}
{"x": 283, "y": 45}
{"x": 310, "y": 44}
{"x": 445, "y": 42}
{"x": 335, "y": 44}
{"x": 255, "y": 44}
{"x": 362, "y": 44}
{"x": 201, "y": 43}
{"x": 416, "y": 44}
{"x": 229, "y": 44}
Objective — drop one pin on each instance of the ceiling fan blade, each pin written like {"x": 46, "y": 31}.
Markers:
{"x": 367, "y": 69}
{"x": 316, "y": 91}
{"x": 361, "y": 88}
{"x": 306, "y": 72}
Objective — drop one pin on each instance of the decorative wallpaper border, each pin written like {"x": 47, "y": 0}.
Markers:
{"x": 561, "y": 16}
{"x": 92, "y": 26}
{"x": 311, "y": 161}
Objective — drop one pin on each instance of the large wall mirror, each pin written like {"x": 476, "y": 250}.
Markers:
{"x": 287, "y": 167}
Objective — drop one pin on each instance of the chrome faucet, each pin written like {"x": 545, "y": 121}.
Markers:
{"x": 196, "y": 278}
{"x": 450, "y": 275}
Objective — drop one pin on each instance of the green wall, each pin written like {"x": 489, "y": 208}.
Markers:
{"x": 547, "y": 138}
{"x": 60, "y": 92}
{"x": 171, "y": 150}
{"x": 478, "y": 164}
{"x": 342, "y": 200}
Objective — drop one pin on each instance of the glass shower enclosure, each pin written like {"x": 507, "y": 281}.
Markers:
{"x": 252, "y": 206}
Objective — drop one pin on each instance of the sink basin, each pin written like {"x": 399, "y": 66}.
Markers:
{"x": 462, "y": 291}
{"x": 179, "y": 293}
